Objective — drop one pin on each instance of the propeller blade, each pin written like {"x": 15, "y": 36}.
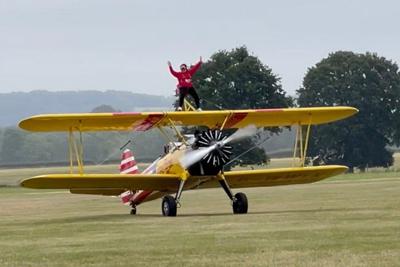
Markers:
{"x": 241, "y": 133}
{"x": 193, "y": 156}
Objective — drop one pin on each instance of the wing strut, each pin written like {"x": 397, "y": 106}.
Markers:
{"x": 301, "y": 143}
{"x": 75, "y": 146}
{"x": 306, "y": 144}
{"x": 187, "y": 106}
{"x": 178, "y": 133}
{"x": 225, "y": 120}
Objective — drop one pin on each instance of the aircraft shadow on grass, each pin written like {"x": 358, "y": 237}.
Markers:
{"x": 121, "y": 217}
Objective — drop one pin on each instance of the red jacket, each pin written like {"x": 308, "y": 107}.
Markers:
{"x": 185, "y": 78}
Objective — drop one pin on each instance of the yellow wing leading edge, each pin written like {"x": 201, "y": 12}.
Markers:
{"x": 114, "y": 183}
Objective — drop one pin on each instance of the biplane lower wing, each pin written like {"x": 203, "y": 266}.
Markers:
{"x": 99, "y": 191}
{"x": 275, "y": 177}
{"x": 103, "y": 183}
{"x": 114, "y": 184}
{"x": 142, "y": 121}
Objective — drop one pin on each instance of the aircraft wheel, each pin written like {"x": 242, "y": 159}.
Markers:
{"x": 240, "y": 205}
{"x": 168, "y": 206}
{"x": 133, "y": 211}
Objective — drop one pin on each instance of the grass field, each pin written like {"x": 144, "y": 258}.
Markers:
{"x": 350, "y": 220}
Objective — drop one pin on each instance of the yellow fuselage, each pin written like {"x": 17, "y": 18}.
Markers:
{"x": 170, "y": 164}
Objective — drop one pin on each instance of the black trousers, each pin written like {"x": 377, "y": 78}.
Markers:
{"x": 183, "y": 91}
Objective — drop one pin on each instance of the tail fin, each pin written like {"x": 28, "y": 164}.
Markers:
{"x": 127, "y": 166}
{"x": 128, "y": 163}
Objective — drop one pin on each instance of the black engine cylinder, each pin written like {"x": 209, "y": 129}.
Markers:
{"x": 213, "y": 162}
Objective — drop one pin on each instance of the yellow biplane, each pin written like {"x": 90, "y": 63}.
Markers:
{"x": 191, "y": 163}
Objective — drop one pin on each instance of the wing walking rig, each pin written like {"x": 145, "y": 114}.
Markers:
{"x": 189, "y": 164}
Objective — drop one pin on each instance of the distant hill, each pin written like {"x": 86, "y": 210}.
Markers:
{"x": 18, "y": 105}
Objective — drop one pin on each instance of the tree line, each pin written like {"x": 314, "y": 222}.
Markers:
{"x": 21, "y": 148}
{"x": 371, "y": 83}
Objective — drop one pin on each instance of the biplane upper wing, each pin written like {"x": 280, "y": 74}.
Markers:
{"x": 141, "y": 121}
{"x": 275, "y": 177}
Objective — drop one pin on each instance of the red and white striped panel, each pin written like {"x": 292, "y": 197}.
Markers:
{"x": 127, "y": 166}
{"x": 126, "y": 197}
{"x": 128, "y": 163}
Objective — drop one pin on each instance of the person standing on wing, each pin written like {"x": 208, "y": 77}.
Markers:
{"x": 185, "y": 85}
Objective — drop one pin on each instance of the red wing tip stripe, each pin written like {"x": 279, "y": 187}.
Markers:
{"x": 235, "y": 118}
{"x": 149, "y": 122}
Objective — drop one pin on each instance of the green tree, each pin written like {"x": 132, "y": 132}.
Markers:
{"x": 238, "y": 80}
{"x": 367, "y": 82}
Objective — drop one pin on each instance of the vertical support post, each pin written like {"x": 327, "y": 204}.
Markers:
{"x": 76, "y": 151}
{"x": 296, "y": 144}
{"x": 70, "y": 150}
{"x": 78, "y": 158}
{"x": 306, "y": 142}
{"x": 301, "y": 143}
{"x": 81, "y": 150}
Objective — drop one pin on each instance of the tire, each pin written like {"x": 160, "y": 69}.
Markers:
{"x": 133, "y": 211}
{"x": 240, "y": 205}
{"x": 168, "y": 206}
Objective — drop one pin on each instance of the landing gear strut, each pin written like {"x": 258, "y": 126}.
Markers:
{"x": 133, "y": 210}
{"x": 239, "y": 201}
{"x": 170, "y": 204}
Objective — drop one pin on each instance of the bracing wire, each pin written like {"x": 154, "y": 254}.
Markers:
{"x": 114, "y": 151}
{"x": 247, "y": 151}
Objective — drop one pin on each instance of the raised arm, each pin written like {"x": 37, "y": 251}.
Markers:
{"x": 173, "y": 72}
{"x": 193, "y": 69}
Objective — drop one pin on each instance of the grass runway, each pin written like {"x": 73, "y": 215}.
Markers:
{"x": 351, "y": 220}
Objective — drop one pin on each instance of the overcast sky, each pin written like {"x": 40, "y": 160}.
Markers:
{"x": 124, "y": 45}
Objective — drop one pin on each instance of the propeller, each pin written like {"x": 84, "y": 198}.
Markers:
{"x": 214, "y": 148}
{"x": 241, "y": 133}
